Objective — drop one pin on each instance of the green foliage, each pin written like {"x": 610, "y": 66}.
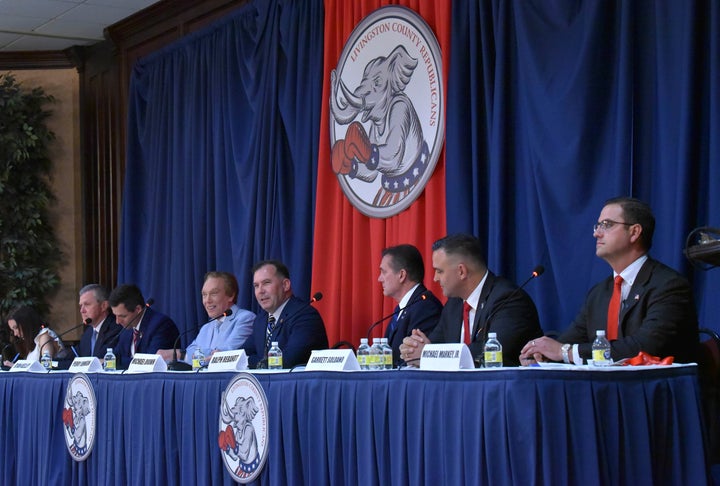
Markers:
{"x": 29, "y": 251}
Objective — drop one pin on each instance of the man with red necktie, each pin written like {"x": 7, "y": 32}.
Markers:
{"x": 644, "y": 306}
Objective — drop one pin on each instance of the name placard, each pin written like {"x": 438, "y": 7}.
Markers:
{"x": 235, "y": 360}
{"x": 332, "y": 360}
{"x": 85, "y": 365}
{"x": 147, "y": 363}
{"x": 446, "y": 357}
{"x": 28, "y": 365}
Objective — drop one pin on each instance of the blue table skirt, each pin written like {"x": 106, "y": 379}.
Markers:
{"x": 494, "y": 427}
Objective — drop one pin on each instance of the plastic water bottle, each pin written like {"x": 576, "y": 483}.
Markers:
{"x": 363, "y": 354}
{"x": 275, "y": 361}
{"x": 198, "y": 359}
{"x": 601, "y": 349}
{"x": 387, "y": 353}
{"x": 46, "y": 360}
{"x": 493, "y": 352}
{"x": 376, "y": 355}
{"x": 109, "y": 362}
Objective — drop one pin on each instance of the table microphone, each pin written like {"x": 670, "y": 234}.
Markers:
{"x": 420, "y": 298}
{"x": 175, "y": 364}
{"x": 537, "y": 271}
{"x": 86, "y": 322}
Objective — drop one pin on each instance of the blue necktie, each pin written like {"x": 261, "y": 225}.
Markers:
{"x": 270, "y": 329}
{"x": 93, "y": 340}
{"x": 394, "y": 320}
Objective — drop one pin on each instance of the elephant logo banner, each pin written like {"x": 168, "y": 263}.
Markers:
{"x": 243, "y": 428}
{"x": 387, "y": 111}
{"x": 79, "y": 417}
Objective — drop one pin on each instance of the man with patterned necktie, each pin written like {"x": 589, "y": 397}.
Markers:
{"x": 645, "y": 306}
{"x": 294, "y": 324}
{"x": 401, "y": 274}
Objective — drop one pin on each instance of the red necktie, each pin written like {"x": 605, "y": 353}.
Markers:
{"x": 466, "y": 322}
{"x": 136, "y": 338}
{"x": 613, "y": 316}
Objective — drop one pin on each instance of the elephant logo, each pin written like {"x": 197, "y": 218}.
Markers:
{"x": 243, "y": 428}
{"x": 79, "y": 417}
{"x": 387, "y": 111}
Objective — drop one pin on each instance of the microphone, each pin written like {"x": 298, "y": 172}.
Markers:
{"x": 537, "y": 271}
{"x": 420, "y": 298}
{"x": 175, "y": 364}
{"x": 262, "y": 364}
{"x": 149, "y": 302}
{"x": 56, "y": 337}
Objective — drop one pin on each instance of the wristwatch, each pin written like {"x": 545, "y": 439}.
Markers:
{"x": 565, "y": 350}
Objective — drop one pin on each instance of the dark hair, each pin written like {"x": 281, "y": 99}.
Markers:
{"x": 462, "y": 244}
{"x": 408, "y": 258}
{"x": 637, "y": 212}
{"x": 280, "y": 267}
{"x": 231, "y": 283}
{"x": 30, "y": 323}
{"x": 100, "y": 292}
{"x": 127, "y": 294}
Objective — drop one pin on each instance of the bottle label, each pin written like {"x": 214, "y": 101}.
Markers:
{"x": 110, "y": 365}
{"x": 362, "y": 359}
{"x": 493, "y": 357}
{"x": 600, "y": 355}
{"x": 196, "y": 363}
{"x": 388, "y": 360}
{"x": 274, "y": 361}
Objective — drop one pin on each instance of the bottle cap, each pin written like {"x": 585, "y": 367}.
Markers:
{"x": 600, "y": 332}
{"x": 492, "y": 335}
{"x": 274, "y": 343}
{"x": 109, "y": 350}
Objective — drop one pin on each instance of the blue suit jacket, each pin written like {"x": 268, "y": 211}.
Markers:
{"x": 158, "y": 332}
{"x": 107, "y": 338}
{"x": 418, "y": 314}
{"x": 299, "y": 330}
{"x": 657, "y": 317}
{"x": 513, "y": 317}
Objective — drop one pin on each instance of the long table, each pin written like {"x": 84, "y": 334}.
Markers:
{"x": 507, "y": 426}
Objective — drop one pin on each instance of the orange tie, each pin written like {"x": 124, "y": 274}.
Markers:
{"x": 466, "y": 322}
{"x": 613, "y": 316}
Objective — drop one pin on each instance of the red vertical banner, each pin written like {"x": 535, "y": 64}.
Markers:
{"x": 347, "y": 241}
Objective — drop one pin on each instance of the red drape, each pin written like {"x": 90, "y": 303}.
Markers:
{"x": 348, "y": 244}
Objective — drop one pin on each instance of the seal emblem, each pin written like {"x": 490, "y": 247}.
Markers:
{"x": 243, "y": 428}
{"x": 79, "y": 417}
{"x": 386, "y": 111}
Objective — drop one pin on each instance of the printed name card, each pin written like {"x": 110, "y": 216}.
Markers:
{"x": 235, "y": 360}
{"x": 446, "y": 357}
{"x": 85, "y": 365}
{"x": 28, "y": 365}
{"x": 332, "y": 360}
{"x": 147, "y": 363}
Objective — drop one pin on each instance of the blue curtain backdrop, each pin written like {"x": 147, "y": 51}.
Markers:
{"x": 556, "y": 106}
{"x": 222, "y": 149}
{"x": 553, "y": 107}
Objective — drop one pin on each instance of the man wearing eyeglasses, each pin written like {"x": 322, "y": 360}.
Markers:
{"x": 645, "y": 306}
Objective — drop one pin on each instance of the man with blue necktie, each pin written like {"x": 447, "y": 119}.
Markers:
{"x": 401, "y": 274}
{"x": 102, "y": 331}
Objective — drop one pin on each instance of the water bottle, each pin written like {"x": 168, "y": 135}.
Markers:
{"x": 274, "y": 357}
{"x": 493, "y": 352}
{"x": 46, "y": 360}
{"x": 376, "y": 355}
{"x": 109, "y": 362}
{"x": 363, "y": 354}
{"x": 198, "y": 359}
{"x": 387, "y": 353}
{"x": 601, "y": 350}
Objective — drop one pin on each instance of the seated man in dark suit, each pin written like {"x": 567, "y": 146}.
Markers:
{"x": 479, "y": 302}
{"x": 102, "y": 331}
{"x": 294, "y": 324}
{"x": 653, "y": 308}
{"x": 401, "y": 274}
{"x": 145, "y": 330}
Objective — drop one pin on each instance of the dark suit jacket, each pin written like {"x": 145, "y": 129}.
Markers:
{"x": 299, "y": 330}
{"x": 107, "y": 338}
{"x": 513, "y": 317}
{"x": 158, "y": 332}
{"x": 418, "y": 314}
{"x": 657, "y": 317}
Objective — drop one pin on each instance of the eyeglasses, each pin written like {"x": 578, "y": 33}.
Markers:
{"x": 606, "y": 224}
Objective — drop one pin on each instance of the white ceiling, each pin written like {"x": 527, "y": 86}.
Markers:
{"x": 53, "y": 25}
